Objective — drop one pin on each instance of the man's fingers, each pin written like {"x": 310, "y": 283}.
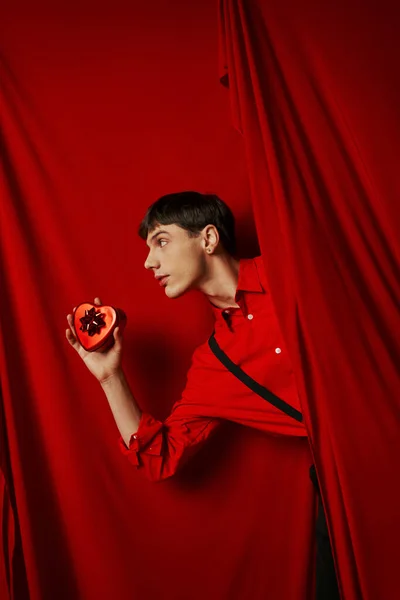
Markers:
{"x": 71, "y": 324}
{"x": 70, "y": 337}
{"x": 118, "y": 339}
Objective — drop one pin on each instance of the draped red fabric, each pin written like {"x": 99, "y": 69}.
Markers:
{"x": 103, "y": 111}
{"x": 315, "y": 92}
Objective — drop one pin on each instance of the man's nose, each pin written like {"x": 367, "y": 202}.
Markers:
{"x": 150, "y": 262}
{"x": 147, "y": 263}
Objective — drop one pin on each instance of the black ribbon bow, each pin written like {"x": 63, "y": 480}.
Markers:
{"x": 92, "y": 322}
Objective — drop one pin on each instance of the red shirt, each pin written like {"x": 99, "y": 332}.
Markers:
{"x": 251, "y": 337}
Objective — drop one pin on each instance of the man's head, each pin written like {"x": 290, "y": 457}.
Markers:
{"x": 184, "y": 231}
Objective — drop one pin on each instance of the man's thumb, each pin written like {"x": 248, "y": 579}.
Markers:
{"x": 117, "y": 336}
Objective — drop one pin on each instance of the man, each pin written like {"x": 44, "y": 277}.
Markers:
{"x": 191, "y": 240}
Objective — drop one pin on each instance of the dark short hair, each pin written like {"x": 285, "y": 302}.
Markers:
{"x": 192, "y": 211}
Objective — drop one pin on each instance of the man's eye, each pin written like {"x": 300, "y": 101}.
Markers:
{"x": 159, "y": 242}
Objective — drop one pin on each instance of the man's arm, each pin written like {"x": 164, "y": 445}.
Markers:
{"x": 157, "y": 447}
{"x": 123, "y": 405}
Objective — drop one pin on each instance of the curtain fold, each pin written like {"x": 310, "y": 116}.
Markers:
{"x": 314, "y": 92}
{"x": 7, "y": 533}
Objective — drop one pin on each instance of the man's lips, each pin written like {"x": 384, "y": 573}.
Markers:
{"x": 163, "y": 280}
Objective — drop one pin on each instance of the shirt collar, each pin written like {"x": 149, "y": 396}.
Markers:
{"x": 248, "y": 281}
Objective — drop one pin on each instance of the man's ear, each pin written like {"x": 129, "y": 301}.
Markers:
{"x": 210, "y": 237}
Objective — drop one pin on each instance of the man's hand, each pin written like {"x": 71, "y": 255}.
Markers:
{"x": 102, "y": 365}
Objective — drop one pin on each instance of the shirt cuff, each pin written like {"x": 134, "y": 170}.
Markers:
{"x": 145, "y": 440}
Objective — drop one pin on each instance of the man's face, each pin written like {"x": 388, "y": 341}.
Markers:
{"x": 177, "y": 256}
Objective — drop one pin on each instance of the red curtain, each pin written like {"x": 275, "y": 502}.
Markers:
{"x": 104, "y": 110}
{"x": 315, "y": 91}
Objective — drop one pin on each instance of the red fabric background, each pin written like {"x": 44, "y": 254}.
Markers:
{"x": 315, "y": 91}
{"x": 103, "y": 111}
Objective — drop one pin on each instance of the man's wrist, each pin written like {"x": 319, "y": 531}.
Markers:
{"x": 117, "y": 375}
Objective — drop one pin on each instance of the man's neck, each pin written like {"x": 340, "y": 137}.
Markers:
{"x": 221, "y": 281}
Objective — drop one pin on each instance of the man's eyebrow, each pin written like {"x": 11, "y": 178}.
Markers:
{"x": 156, "y": 234}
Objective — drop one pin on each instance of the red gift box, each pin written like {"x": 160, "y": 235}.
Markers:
{"x": 94, "y": 325}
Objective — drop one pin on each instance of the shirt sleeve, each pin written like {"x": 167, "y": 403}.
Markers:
{"x": 211, "y": 395}
{"x": 160, "y": 448}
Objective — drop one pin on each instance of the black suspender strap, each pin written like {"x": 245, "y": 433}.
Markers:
{"x": 256, "y": 387}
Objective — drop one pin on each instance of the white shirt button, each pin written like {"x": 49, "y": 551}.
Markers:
{"x": 134, "y": 436}
{"x": 278, "y": 350}
{"x": 226, "y": 311}
{"x": 250, "y": 317}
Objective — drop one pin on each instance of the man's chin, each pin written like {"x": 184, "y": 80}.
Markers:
{"x": 173, "y": 292}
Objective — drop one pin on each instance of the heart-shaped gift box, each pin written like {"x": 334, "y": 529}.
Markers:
{"x": 95, "y": 323}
